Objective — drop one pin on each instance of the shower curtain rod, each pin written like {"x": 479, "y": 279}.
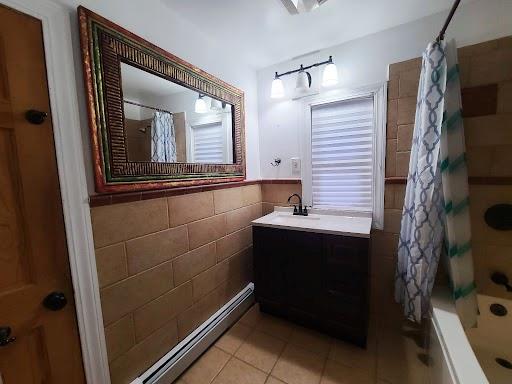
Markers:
{"x": 448, "y": 19}
{"x": 146, "y": 106}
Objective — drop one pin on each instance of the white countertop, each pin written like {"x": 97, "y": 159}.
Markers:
{"x": 319, "y": 221}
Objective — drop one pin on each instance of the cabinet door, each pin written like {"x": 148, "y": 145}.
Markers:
{"x": 346, "y": 279}
{"x": 269, "y": 265}
{"x": 304, "y": 273}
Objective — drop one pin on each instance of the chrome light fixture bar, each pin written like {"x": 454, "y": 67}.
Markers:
{"x": 329, "y": 78}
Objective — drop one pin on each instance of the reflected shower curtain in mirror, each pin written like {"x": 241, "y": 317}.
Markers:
{"x": 163, "y": 138}
{"x": 435, "y": 218}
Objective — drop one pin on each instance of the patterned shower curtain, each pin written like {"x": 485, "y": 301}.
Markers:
{"x": 163, "y": 138}
{"x": 435, "y": 218}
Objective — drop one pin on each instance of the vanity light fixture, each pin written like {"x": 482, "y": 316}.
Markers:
{"x": 200, "y": 106}
{"x": 277, "y": 91}
{"x": 216, "y": 105}
{"x": 329, "y": 78}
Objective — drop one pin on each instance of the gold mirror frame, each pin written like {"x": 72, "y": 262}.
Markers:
{"x": 104, "y": 46}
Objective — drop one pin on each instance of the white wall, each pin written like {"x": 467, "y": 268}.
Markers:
{"x": 155, "y": 22}
{"x": 363, "y": 62}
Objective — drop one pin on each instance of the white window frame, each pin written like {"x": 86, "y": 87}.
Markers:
{"x": 207, "y": 120}
{"x": 379, "y": 94}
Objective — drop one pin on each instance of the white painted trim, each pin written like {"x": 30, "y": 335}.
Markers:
{"x": 379, "y": 94}
{"x": 70, "y": 161}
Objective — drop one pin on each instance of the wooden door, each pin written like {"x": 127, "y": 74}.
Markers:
{"x": 33, "y": 253}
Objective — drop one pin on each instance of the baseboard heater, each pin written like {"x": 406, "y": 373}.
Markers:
{"x": 178, "y": 359}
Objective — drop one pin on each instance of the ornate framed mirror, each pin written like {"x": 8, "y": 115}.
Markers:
{"x": 155, "y": 120}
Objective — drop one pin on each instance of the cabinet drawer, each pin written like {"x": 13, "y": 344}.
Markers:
{"x": 344, "y": 253}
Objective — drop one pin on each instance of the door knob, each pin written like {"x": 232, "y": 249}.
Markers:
{"x": 55, "y": 301}
{"x": 35, "y": 117}
{"x": 5, "y": 336}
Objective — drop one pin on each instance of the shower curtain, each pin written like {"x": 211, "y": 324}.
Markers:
{"x": 435, "y": 218}
{"x": 163, "y": 138}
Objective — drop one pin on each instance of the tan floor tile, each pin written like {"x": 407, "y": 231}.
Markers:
{"x": 273, "y": 380}
{"x": 313, "y": 341}
{"x": 397, "y": 356}
{"x": 238, "y": 372}
{"x": 298, "y": 366}
{"x": 353, "y": 356}
{"x": 233, "y": 338}
{"x": 341, "y": 374}
{"x": 261, "y": 351}
{"x": 252, "y": 317}
{"x": 274, "y": 326}
{"x": 204, "y": 370}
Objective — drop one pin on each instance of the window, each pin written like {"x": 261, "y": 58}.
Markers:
{"x": 208, "y": 143}
{"x": 343, "y": 152}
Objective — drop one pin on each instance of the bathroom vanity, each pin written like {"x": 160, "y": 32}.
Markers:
{"x": 314, "y": 269}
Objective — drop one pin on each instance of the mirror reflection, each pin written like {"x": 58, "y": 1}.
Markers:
{"x": 168, "y": 123}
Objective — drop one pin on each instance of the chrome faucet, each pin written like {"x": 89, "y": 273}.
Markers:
{"x": 300, "y": 210}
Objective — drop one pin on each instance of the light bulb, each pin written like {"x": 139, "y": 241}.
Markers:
{"x": 200, "y": 106}
{"x": 277, "y": 91}
{"x": 330, "y": 76}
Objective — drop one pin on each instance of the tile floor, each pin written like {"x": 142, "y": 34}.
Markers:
{"x": 261, "y": 348}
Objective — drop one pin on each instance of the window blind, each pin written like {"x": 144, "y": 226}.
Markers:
{"x": 208, "y": 145}
{"x": 342, "y": 154}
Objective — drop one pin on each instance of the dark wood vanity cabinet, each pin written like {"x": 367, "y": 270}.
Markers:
{"x": 317, "y": 280}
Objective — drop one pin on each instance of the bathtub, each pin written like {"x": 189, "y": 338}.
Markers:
{"x": 459, "y": 357}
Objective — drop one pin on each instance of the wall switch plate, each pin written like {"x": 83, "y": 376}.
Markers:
{"x": 295, "y": 166}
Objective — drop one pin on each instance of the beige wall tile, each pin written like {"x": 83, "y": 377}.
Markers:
{"x": 409, "y": 81}
{"x": 207, "y": 281}
{"x": 404, "y": 142}
{"x": 192, "y": 263}
{"x": 402, "y": 163}
{"x": 502, "y": 161}
{"x": 197, "y": 314}
{"x": 233, "y": 243}
{"x": 129, "y": 365}
{"x": 403, "y": 66}
{"x": 488, "y": 130}
{"x": 399, "y": 196}
{"x": 487, "y": 260}
{"x": 479, "y": 160}
{"x": 493, "y": 67}
{"x": 119, "y": 337}
{"x": 279, "y": 193}
{"x": 242, "y": 217}
{"x": 267, "y": 208}
{"x": 505, "y": 42}
{"x": 406, "y": 110}
{"x": 191, "y": 207}
{"x": 393, "y": 87}
{"x": 115, "y": 223}
{"x": 505, "y": 97}
{"x": 478, "y": 49}
{"x": 122, "y": 298}
{"x": 111, "y": 264}
{"x": 391, "y": 158}
{"x": 150, "y": 250}
{"x": 206, "y": 230}
{"x": 392, "y": 220}
{"x": 392, "y": 113}
{"x": 384, "y": 242}
{"x": 228, "y": 199}
{"x": 251, "y": 194}
{"x": 156, "y": 313}
{"x": 389, "y": 196}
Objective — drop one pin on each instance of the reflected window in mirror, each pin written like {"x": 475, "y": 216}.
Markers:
{"x": 166, "y": 122}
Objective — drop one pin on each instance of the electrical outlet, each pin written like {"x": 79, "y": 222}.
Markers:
{"x": 295, "y": 166}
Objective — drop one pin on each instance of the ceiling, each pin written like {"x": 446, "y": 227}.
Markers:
{"x": 262, "y": 32}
